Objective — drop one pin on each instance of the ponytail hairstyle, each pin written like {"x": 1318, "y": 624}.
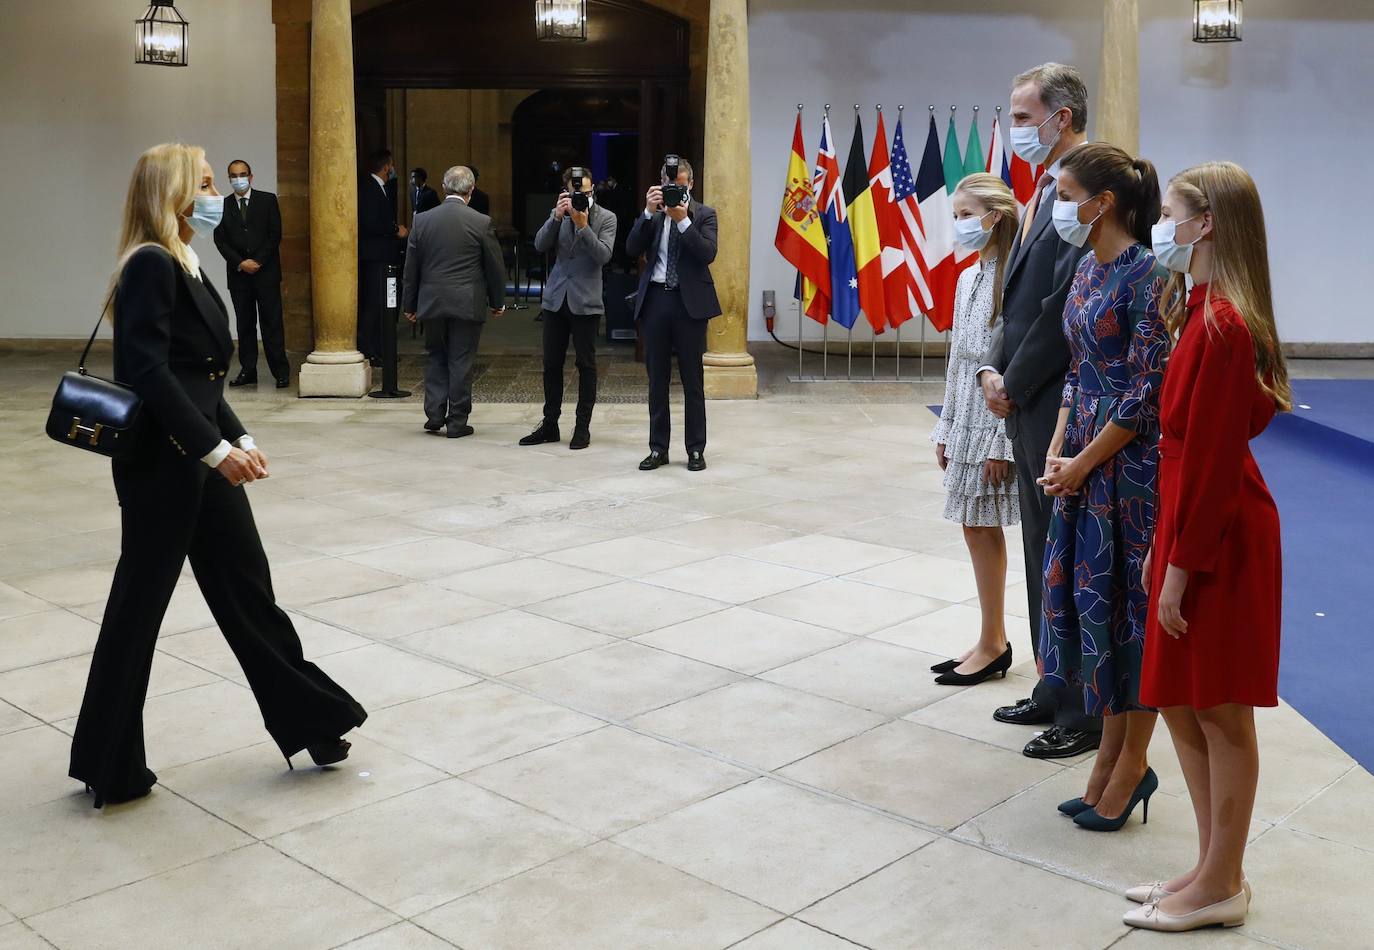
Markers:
{"x": 1100, "y": 167}
{"x": 1240, "y": 266}
{"x": 992, "y": 193}
{"x": 164, "y": 182}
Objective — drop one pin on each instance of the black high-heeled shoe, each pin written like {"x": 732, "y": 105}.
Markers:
{"x": 945, "y": 666}
{"x": 325, "y": 753}
{"x": 1090, "y": 819}
{"x": 999, "y": 665}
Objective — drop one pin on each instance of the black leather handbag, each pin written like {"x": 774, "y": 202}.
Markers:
{"x": 98, "y": 415}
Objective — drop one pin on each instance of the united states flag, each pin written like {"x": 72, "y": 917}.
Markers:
{"x": 912, "y": 233}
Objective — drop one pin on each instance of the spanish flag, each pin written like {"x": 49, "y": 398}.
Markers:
{"x": 801, "y": 237}
{"x": 863, "y": 224}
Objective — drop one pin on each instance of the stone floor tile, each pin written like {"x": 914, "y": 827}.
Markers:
{"x": 805, "y": 516}
{"x": 352, "y": 535}
{"x": 888, "y": 679}
{"x": 429, "y": 558}
{"x": 1332, "y": 814}
{"x": 732, "y": 579}
{"x": 967, "y": 711}
{"x": 562, "y": 906}
{"x": 626, "y": 608}
{"x": 938, "y": 577}
{"x": 17, "y": 936}
{"x": 825, "y": 554}
{"x": 923, "y": 901}
{"x": 59, "y": 551}
{"x": 846, "y": 606}
{"x": 64, "y": 850}
{"x": 763, "y": 725}
{"x": 951, "y": 630}
{"x": 523, "y": 581}
{"x": 474, "y": 726}
{"x": 404, "y": 936}
{"x": 620, "y": 680}
{"x": 315, "y": 582}
{"x": 919, "y": 773}
{"x": 1211, "y": 939}
{"x": 291, "y": 906}
{"x": 379, "y": 676}
{"x": 12, "y": 719}
{"x": 1307, "y": 891}
{"x": 537, "y": 536}
{"x": 505, "y": 641}
{"x": 40, "y": 637}
{"x": 53, "y": 691}
{"x": 781, "y": 846}
{"x": 16, "y": 603}
{"x": 723, "y": 535}
{"x": 608, "y": 781}
{"x": 208, "y": 649}
{"x": 743, "y": 639}
{"x": 628, "y": 557}
{"x": 192, "y": 724}
{"x": 252, "y": 789}
{"x": 397, "y": 611}
{"x": 792, "y": 934}
{"x": 715, "y": 499}
{"x": 65, "y": 586}
{"x": 899, "y": 531}
{"x": 471, "y": 838}
{"x": 22, "y": 787}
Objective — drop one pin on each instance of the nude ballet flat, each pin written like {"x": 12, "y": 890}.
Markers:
{"x": 1228, "y": 913}
{"x": 1154, "y": 892}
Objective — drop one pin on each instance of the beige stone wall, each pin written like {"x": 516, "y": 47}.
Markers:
{"x": 438, "y": 128}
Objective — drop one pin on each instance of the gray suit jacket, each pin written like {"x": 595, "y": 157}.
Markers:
{"x": 582, "y": 253}
{"x": 454, "y": 267}
{"x": 1028, "y": 346}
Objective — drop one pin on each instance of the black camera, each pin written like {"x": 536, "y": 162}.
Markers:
{"x": 673, "y": 193}
{"x": 579, "y": 200}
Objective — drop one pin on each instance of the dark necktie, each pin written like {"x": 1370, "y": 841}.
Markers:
{"x": 243, "y": 211}
{"x": 674, "y": 249}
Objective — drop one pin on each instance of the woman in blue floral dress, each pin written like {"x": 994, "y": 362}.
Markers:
{"x": 1102, "y": 470}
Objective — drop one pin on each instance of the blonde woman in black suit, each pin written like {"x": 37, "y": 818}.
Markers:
{"x": 181, "y": 495}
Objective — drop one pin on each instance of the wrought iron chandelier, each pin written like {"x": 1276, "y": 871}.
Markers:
{"x": 1217, "y": 21}
{"x": 160, "y": 35}
{"x": 560, "y": 20}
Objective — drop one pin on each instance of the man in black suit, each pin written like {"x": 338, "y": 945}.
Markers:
{"x": 422, "y": 197}
{"x": 455, "y": 276}
{"x": 676, "y": 298}
{"x": 379, "y": 244}
{"x": 481, "y": 201}
{"x": 248, "y": 237}
{"x": 1023, "y": 375}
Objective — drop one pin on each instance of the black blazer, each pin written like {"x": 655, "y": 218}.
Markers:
{"x": 423, "y": 199}
{"x": 1028, "y": 346}
{"x": 377, "y": 238}
{"x": 480, "y": 201}
{"x": 255, "y": 238}
{"x": 172, "y": 346}
{"x": 693, "y": 265}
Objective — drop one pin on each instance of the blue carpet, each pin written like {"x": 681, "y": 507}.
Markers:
{"x": 1319, "y": 463}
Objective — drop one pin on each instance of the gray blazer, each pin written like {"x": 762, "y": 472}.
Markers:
{"x": 1028, "y": 346}
{"x": 582, "y": 253}
{"x": 454, "y": 267}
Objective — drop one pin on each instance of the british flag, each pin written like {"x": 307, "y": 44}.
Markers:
{"x": 843, "y": 303}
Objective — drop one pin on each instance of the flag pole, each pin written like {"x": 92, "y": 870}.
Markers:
{"x": 849, "y": 371}
{"x": 801, "y": 302}
{"x": 898, "y": 374}
{"x": 873, "y": 347}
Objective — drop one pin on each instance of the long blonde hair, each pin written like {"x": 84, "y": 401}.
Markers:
{"x": 165, "y": 180}
{"x": 1240, "y": 266}
{"x": 992, "y": 193}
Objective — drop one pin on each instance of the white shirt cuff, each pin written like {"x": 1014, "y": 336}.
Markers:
{"x": 984, "y": 369}
{"x": 246, "y": 442}
{"x": 684, "y": 224}
{"x": 648, "y": 214}
{"x": 218, "y": 454}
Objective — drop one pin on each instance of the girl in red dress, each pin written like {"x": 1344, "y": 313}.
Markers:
{"x": 1214, "y": 573}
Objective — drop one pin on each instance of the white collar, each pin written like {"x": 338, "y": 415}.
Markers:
{"x": 243, "y": 197}
{"x": 1053, "y": 170}
{"x": 378, "y": 180}
{"x": 455, "y": 198}
{"x": 195, "y": 261}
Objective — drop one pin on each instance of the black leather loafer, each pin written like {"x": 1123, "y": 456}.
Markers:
{"x": 432, "y": 426}
{"x": 581, "y": 438}
{"x": 653, "y": 460}
{"x": 457, "y": 432}
{"x": 1026, "y": 712}
{"x": 243, "y": 379}
{"x": 284, "y": 382}
{"x": 545, "y": 433}
{"x": 1057, "y": 742}
{"x": 695, "y": 461}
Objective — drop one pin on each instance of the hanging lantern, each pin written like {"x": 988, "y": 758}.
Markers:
{"x": 160, "y": 35}
{"x": 1217, "y": 21}
{"x": 556, "y": 20}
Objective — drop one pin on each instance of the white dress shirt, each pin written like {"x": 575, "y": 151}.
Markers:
{"x": 660, "y": 274}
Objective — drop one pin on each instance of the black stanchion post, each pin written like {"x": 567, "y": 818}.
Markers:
{"x": 390, "y": 315}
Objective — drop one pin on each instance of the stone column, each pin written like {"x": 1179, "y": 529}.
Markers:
{"x": 730, "y": 371}
{"x": 1118, "y": 89}
{"x": 335, "y": 367}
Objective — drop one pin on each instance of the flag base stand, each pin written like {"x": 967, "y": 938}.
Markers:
{"x": 863, "y": 380}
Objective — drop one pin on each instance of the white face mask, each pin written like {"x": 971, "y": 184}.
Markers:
{"x": 1025, "y": 142}
{"x": 970, "y": 234}
{"x": 240, "y": 185}
{"x": 206, "y": 213}
{"x": 1176, "y": 257}
{"x": 1066, "y": 222}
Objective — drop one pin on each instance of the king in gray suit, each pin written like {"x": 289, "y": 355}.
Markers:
{"x": 582, "y": 235}
{"x": 1023, "y": 375}
{"x": 454, "y": 277}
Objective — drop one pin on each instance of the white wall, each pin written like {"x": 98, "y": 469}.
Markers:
{"x": 1289, "y": 103}
{"x": 75, "y": 113}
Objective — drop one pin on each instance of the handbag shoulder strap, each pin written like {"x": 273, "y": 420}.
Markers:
{"x": 81, "y": 366}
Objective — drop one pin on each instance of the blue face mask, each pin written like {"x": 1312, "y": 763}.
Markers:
{"x": 206, "y": 214}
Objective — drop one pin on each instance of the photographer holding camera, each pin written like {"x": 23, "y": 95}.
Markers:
{"x": 582, "y": 235}
{"x": 677, "y": 236}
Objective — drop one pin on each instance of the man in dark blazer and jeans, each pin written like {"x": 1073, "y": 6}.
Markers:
{"x": 676, "y": 300}
{"x": 1023, "y": 375}
{"x": 248, "y": 237}
{"x": 454, "y": 276}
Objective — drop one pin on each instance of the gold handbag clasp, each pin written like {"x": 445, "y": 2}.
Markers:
{"x": 77, "y": 427}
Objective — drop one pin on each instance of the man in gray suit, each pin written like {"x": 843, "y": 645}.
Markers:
{"x": 583, "y": 234}
{"x": 1023, "y": 375}
{"x": 454, "y": 276}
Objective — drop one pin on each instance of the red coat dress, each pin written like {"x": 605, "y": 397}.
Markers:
{"x": 1217, "y": 520}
